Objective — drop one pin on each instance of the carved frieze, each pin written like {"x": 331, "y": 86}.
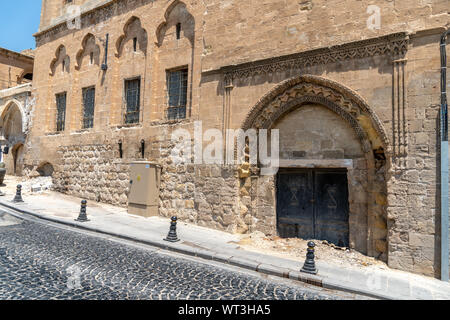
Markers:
{"x": 394, "y": 45}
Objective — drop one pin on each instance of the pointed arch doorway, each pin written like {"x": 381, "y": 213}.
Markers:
{"x": 329, "y": 139}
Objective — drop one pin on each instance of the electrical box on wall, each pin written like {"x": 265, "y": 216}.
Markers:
{"x": 145, "y": 181}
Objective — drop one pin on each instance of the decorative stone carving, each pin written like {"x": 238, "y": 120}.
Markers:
{"x": 313, "y": 89}
{"x": 88, "y": 46}
{"x": 133, "y": 28}
{"x": 179, "y": 11}
{"x": 60, "y": 57}
{"x": 395, "y": 45}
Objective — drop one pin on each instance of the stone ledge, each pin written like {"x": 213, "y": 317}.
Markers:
{"x": 317, "y": 163}
{"x": 23, "y": 88}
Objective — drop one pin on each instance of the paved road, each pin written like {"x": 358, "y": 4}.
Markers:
{"x": 41, "y": 261}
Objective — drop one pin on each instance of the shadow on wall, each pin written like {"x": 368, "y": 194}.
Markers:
{"x": 45, "y": 170}
{"x": 18, "y": 153}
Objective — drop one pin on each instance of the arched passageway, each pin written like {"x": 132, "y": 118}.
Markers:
{"x": 12, "y": 128}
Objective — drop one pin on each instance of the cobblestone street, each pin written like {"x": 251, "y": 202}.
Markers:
{"x": 40, "y": 261}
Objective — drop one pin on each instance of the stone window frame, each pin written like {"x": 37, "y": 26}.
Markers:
{"x": 60, "y": 126}
{"x": 141, "y": 38}
{"x": 167, "y": 98}
{"x": 124, "y": 101}
{"x": 91, "y": 50}
{"x": 60, "y": 55}
{"x": 83, "y": 114}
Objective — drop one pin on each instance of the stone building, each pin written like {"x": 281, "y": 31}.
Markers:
{"x": 353, "y": 89}
{"x": 16, "y": 74}
{"x": 15, "y": 68}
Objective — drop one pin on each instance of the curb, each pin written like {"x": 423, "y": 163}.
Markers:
{"x": 213, "y": 256}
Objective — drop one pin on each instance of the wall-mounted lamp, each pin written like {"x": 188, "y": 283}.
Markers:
{"x": 143, "y": 148}
{"x": 120, "y": 148}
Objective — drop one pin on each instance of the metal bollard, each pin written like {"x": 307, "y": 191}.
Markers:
{"x": 83, "y": 216}
{"x": 172, "y": 236}
{"x": 18, "y": 197}
{"x": 310, "y": 265}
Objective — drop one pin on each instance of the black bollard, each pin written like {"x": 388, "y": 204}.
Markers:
{"x": 172, "y": 236}
{"x": 310, "y": 265}
{"x": 18, "y": 197}
{"x": 83, "y": 216}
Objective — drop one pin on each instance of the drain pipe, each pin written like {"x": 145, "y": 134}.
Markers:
{"x": 444, "y": 161}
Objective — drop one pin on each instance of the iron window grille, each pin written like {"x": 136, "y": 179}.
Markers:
{"x": 132, "y": 97}
{"x": 177, "y": 83}
{"x": 88, "y": 107}
{"x": 61, "y": 111}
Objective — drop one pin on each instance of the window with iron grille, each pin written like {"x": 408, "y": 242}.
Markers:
{"x": 88, "y": 107}
{"x": 132, "y": 96}
{"x": 177, "y": 82}
{"x": 61, "y": 111}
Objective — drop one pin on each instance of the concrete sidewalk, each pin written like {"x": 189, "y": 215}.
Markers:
{"x": 223, "y": 247}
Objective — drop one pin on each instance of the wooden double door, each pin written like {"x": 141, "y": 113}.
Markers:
{"x": 313, "y": 204}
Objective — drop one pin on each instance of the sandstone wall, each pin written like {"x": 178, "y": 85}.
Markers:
{"x": 293, "y": 25}
{"x": 92, "y": 172}
{"x": 206, "y": 195}
{"x": 414, "y": 205}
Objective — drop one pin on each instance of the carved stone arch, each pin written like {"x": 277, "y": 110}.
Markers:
{"x": 139, "y": 32}
{"x": 367, "y": 175}
{"x": 88, "y": 45}
{"x": 60, "y": 55}
{"x": 344, "y": 101}
{"x": 23, "y": 75}
{"x": 308, "y": 99}
{"x": 7, "y": 108}
{"x": 164, "y": 22}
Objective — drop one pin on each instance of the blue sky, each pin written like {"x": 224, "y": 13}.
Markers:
{"x": 19, "y": 20}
